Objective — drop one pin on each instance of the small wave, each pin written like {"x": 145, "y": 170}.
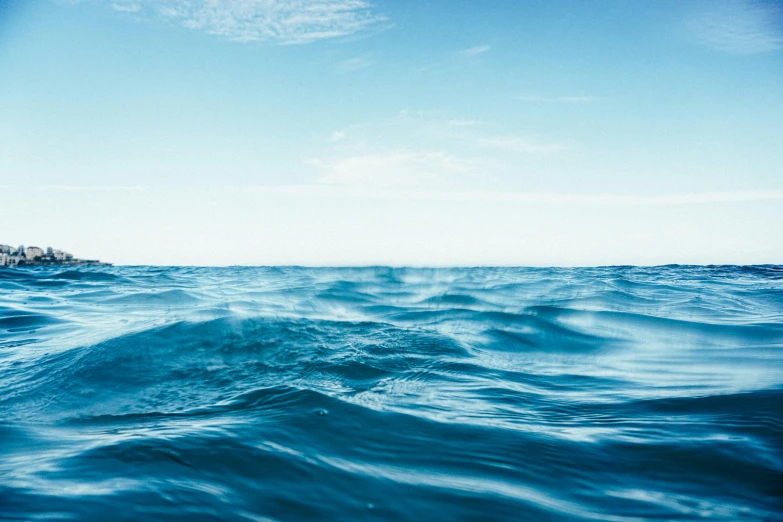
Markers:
{"x": 12, "y": 320}
{"x": 166, "y": 297}
{"x": 86, "y": 275}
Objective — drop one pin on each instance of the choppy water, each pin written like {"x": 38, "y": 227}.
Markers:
{"x": 392, "y": 394}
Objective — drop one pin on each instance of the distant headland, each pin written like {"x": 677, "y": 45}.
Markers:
{"x": 35, "y": 256}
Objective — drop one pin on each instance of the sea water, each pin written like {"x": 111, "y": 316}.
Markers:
{"x": 617, "y": 393}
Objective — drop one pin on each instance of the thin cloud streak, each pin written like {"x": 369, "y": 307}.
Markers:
{"x": 354, "y": 64}
{"x": 692, "y": 198}
{"x": 472, "y": 52}
{"x": 80, "y": 188}
{"x": 276, "y": 21}
{"x": 127, "y": 8}
{"x": 555, "y": 99}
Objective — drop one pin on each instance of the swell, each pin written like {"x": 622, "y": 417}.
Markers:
{"x": 290, "y": 443}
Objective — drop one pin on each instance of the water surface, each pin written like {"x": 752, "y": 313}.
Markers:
{"x": 622, "y": 393}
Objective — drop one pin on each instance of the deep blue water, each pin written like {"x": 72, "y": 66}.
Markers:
{"x": 619, "y": 393}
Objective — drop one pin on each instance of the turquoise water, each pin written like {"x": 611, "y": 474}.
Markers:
{"x": 621, "y": 393}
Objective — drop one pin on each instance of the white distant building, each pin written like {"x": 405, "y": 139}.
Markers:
{"x": 59, "y": 255}
{"x": 32, "y": 252}
{"x": 8, "y": 259}
{"x": 5, "y": 249}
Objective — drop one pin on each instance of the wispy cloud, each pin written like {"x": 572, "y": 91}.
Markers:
{"x": 400, "y": 168}
{"x": 418, "y": 149}
{"x": 739, "y": 26}
{"x": 277, "y": 21}
{"x": 127, "y": 8}
{"x": 472, "y": 52}
{"x": 354, "y": 64}
{"x": 556, "y": 99}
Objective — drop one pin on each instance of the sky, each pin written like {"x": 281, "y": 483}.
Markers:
{"x": 379, "y": 132}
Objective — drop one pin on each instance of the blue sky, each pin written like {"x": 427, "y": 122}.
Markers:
{"x": 407, "y": 132}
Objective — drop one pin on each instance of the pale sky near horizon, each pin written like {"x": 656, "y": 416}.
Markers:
{"x": 330, "y": 132}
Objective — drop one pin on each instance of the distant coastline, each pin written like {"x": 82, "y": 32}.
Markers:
{"x": 36, "y": 256}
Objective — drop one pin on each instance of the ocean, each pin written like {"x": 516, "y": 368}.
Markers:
{"x": 319, "y": 394}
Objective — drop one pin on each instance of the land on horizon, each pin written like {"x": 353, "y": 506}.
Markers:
{"x": 36, "y": 256}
